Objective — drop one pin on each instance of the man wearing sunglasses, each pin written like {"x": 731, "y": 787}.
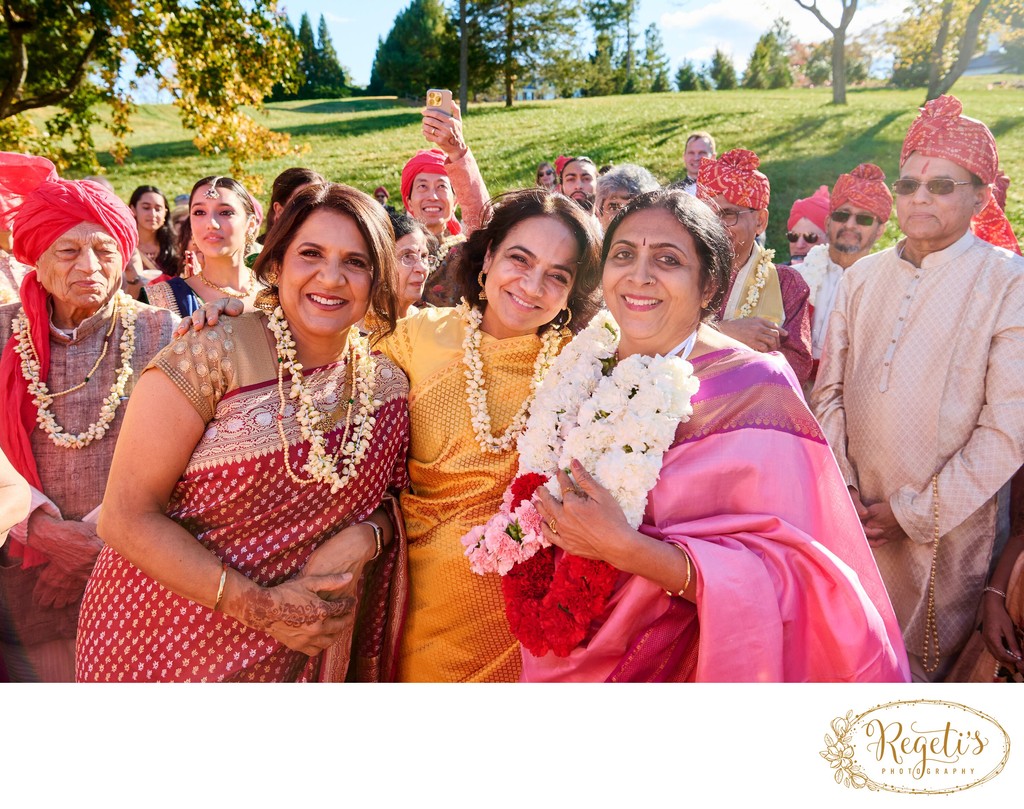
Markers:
{"x": 859, "y": 207}
{"x": 921, "y": 390}
{"x": 805, "y": 227}
{"x": 766, "y": 305}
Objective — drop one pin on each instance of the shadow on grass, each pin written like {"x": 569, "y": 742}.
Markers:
{"x": 360, "y": 126}
{"x": 344, "y": 105}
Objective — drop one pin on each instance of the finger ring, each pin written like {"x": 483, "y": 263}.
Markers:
{"x": 433, "y": 130}
{"x": 551, "y": 525}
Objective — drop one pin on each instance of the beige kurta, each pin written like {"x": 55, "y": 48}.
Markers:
{"x": 923, "y": 373}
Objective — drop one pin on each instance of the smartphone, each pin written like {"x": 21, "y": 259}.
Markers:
{"x": 440, "y": 100}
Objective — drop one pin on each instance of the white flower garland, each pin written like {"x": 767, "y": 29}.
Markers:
{"x": 476, "y": 392}
{"x": 41, "y": 396}
{"x": 814, "y": 268}
{"x": 760, "y": 279}
{"x": 321, "y": 467}
{"x": 617, "y": 425}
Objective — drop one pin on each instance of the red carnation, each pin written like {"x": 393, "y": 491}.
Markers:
{"x": 524, "y": 486}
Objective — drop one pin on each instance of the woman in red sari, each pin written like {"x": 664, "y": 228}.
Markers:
{"x": 246, "y": 539}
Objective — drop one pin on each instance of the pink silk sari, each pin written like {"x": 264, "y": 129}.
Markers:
{"x": 236, "y": 498}
{"x": 787, "y": 587}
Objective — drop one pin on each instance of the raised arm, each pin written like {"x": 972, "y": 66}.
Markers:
{"x": 467, "y": 182}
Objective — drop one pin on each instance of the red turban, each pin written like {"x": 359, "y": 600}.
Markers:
{"x": 941, "y": 130}
{"x": 864, "y": 187}
{"x": 56, "y": 206}
{"x": 735, "y": 176}
{"x": 814, "y": 208}
{"x": 560, "y": 162}
{"x": 47, "y": 212}
{"x": 429, "y": 161}
{"x": 19, "y": 174}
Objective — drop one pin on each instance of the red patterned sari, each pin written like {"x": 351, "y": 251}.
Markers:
{"x": 237, "y": 499}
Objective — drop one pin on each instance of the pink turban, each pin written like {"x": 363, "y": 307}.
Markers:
{"x": 735, "y": 176}
{"x": 941, "y": 130}
{"x": 19, "y": 174}
{"x": 56, "y": 206}
{"x": 430, "y": 161}
{"x": 814, "y": 208}
{"x": 864, "y": 187}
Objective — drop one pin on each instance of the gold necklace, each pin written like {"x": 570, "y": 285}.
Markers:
{"x": 103, "y": 353}
{"x": 228, "y": 292}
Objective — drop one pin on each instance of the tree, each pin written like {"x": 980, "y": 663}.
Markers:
{"x": 215, "y": 58}
{"x": 838, "y": 31}
{"x": 689, "y": 78}
{"x": 655, "y": 64}
{"x": 307, "y": 56}
{"x": 518, "y": 34}
{"x": 768, "y": 67}
{"x": 722, "y": 71}
{"x": 329, "y": 79}
{"x": 419, "y": 52}
{"x": 934, "y": 41}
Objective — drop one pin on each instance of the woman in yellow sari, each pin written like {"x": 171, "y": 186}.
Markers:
{"x": 529, "y": 273}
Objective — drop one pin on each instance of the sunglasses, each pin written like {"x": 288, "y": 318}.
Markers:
{"x": 940, "y": 186}
{"x": 810, "y": 238}
{"x": 863, "y": 219}
{"x": 545, "y": 173}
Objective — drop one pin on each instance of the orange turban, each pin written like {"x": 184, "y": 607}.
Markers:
{"x": 56, "y": 206}
{"x": 941, "y": 130}
{"x": 864, "y": 187}
{"x": 430, "y": 161}
{"x": 19, "y": 174}
{"x": 735, "y": 176}
{"x": 815, "y": 208}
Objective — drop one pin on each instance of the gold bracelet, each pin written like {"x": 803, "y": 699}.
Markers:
{"x": 220, "y": 587}
{"x": 378, "y": 537}
{"x": 689, "y": 571}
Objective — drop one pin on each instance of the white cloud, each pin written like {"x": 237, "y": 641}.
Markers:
{"x": 336, "y": 19}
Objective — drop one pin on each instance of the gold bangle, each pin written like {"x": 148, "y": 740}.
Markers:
{"x": 689, "y": 572}
{"x": 220, "y": 587}
{"x": 378, "y": 537}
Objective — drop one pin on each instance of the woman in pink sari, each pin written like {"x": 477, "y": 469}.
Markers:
{"x": 750, "y": 563}
{"x": 246, "y": 538}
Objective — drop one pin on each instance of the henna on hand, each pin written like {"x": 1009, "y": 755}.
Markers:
{"x": 262, "y": 611}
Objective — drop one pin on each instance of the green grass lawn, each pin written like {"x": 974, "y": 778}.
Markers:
{"x": 802, "y": 139}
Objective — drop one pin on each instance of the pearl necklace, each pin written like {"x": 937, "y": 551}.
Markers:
{"x": 41, "y": 396}
{"x": 760, "y": 279}
{"x": 321, "y": 467}
{"x": 476, "y": 392}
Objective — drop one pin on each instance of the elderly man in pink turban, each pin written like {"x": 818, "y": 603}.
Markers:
{"x": 920, "y": 390}
{"x": 72, "y": 351}
{"x": 860, "y": 206}
{"x": 765, "y": 305}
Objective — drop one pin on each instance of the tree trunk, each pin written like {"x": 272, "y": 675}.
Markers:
{"x": 509, "y": 67}
{"x": 935, "y": 68}
{"x": 463, "y": 59}
{"x": 966, "y": 50}
{"x": 839, "y": 67}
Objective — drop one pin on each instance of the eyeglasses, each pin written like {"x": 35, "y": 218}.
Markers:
{"x": 613, "y": 207}
{"x": 810, "y": 238}
{"x": 410, "y": 260}
{"x": 940, "y": 186}
{"x": 730, "y": 216}
{"x": 863, "y": 219}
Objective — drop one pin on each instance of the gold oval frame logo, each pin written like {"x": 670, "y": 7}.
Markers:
{"x": 924, "y": 747}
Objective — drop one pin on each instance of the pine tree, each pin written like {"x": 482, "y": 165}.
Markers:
{"x": 690, "y": 78}
{"x": 722, "y": 71}
{"x": 420, "y": 51}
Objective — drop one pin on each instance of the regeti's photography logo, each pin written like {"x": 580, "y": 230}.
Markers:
{"x": 916, "y": 746}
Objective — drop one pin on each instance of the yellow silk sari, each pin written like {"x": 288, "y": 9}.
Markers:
{"x": 455, "y": 629}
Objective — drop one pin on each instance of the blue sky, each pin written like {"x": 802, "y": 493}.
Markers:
{"x": 691, "y": 29}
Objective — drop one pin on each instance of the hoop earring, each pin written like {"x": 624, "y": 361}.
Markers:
{"x": 568, "y": 318}
{"x": 481, "y": 279}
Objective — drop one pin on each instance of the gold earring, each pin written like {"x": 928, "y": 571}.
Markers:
{"x": 481, "y": 279}
{"x": 568, "y": 317}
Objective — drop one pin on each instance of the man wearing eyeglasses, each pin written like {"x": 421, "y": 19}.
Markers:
{"x": 859, "y": 207}
{"x": 805, "y": 227}
{"x": 765, "y": 305}
{"x": 921, "y": 391}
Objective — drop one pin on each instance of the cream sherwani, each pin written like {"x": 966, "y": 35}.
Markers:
{"x": 923, "y": 374}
